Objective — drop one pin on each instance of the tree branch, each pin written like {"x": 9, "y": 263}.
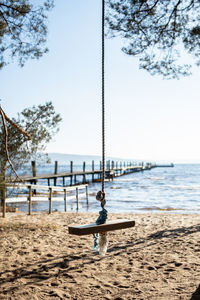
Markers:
{"x": 14, "y": 8}
{"x": 5, "y": 143}
{"x": 15, "y": 125}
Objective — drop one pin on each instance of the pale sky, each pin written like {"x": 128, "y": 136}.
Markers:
{"x": 146, "y": 117}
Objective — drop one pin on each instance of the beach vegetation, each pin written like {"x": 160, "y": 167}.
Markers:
{"x": 23, "y": 30}
{"x": 163, "y": 35}
{"x": 41, "y": 122}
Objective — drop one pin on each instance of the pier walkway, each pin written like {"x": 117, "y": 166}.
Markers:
{"x": 95, "y": 175}
{"x": 113, "y": 169}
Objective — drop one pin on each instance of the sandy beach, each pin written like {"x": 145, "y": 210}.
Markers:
{"x": 156, "y": 259}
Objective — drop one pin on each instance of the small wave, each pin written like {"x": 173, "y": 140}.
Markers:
{"x": 127, "y": 180}
{"x": 184, "y": 187}
{"x": 161, "y": 208}
{"x": 157, "y": 178}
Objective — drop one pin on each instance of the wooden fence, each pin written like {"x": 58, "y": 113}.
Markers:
{"x": 50, "y": 189}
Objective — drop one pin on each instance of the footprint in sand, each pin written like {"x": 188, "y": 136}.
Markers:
{"x": 168, "y": 270}
{"x": 49, "y": 255}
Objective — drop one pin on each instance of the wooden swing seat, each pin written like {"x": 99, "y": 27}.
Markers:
{"x": 94, "y": 228}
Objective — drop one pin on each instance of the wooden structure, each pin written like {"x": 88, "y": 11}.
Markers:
{"x": 94, "y": 228}
{"x": 113, "y": 169}
{"x": 50, "y": 189}
{"x": 104, "y": 225}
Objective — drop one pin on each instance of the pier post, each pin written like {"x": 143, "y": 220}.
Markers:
{"x": 107, "y": 165}
{"x": 29, "y": 199}
{"x": 108, "y": 169}
{"x": 84, "y": 178}
{"x": 77, "y": 199}
{"x": 142, "y": 166}
{"x": 50, "y": 200}
{"x": 93, "y": 171}
{"x": 65, "y": 199}
{"x": 55, "y": 172}
{"x": 71, "y": 171}
{"x": 113, "y": 164}
{"x": 33, "y": 165}
{"x": 86, "y": 191}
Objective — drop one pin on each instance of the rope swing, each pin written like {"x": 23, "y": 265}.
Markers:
{"x": 100, "y": 239}
{"x": 101, "y": 226}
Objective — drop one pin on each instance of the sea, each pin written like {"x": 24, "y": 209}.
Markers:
{"x": 159, "y": 190}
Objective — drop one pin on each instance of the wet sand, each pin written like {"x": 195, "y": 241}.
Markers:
{"x": 157, "y": 259}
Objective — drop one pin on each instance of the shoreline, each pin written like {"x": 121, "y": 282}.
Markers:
{"x": 21, "y": 207}
{"x": 157, "y": 259}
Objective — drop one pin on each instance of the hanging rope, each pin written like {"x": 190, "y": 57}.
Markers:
{"x": 101, "y": 194}
{"x": 103, "y": 98}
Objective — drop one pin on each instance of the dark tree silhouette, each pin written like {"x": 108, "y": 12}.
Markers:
{"x": 23, "y": 30}
{"x": 157, "y": 31}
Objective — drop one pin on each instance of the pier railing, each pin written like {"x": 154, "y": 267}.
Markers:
{"x": 50, "y": 189}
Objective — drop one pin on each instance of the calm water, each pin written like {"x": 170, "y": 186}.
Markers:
{"x": 176, "y": 190}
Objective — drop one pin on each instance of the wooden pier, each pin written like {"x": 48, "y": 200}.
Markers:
{"x": 30, "y": 182}
{"x": 113, "y": 169}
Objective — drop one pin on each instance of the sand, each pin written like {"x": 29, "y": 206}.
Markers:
{"x": 157, "y": 259}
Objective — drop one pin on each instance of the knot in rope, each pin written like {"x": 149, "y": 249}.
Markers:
{"x": 102, "y": 217}
{"x": 103, "y": 213}
{"x": 100, "y": 196}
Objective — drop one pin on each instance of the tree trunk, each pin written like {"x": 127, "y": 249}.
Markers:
{"x": 2, "y": 181}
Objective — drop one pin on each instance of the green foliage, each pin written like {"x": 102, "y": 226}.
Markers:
{"x": 156, "y": 31}
{"x": 23, "y": 30}
{"x": 41, "y": 122}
